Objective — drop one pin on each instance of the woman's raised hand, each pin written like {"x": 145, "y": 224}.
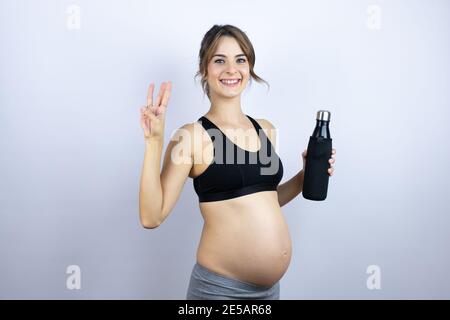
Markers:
{"x": 153, "y": 114}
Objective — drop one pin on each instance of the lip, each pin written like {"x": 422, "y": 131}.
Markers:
{"x": 231, "y": 85}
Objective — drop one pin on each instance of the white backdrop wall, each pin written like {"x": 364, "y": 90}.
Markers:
{"x": 75, "y": 73}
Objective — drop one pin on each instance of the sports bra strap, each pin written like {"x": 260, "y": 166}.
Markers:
{"x": 260, "y": 129}
{"x": 208, "y": 124}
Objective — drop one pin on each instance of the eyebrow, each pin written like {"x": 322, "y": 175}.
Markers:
{"x": 224, "y": 56}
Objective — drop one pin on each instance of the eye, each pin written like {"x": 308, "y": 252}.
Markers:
{"x": 240, "y": 59}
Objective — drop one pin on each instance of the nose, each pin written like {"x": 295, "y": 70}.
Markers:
{"x": 230, "y": 68}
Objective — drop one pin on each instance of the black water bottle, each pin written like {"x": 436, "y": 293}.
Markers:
{"x": 315, "y": 182}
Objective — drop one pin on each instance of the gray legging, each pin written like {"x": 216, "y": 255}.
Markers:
{"x": 208, "y": 285}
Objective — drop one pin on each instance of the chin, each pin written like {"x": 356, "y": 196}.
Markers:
{"x": 230, "y": 94}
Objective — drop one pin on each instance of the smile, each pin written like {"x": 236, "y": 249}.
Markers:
{"x": 231, "y": 83}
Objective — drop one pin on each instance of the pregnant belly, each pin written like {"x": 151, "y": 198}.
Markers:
{"x": 246, "y": 239}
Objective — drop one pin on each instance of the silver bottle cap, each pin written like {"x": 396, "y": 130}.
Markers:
{"x": 323, "y": 115}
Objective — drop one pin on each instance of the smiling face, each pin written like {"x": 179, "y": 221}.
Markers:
{"x": 228, "y": 70}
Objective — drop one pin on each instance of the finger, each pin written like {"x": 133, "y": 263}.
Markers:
{"x": 145, "y": 110}
{"x": 150, "y": 94}
{"x": 153, "y": 110}
{"x": 148, "y": 109}
{"x": 166, "y": 96}
{"x": 160, "y": 94}
{"x": 160, "y": 111}
{"x": 144, "y": 124}
{"x": 149, "y": 113}
{"x": 333, "y": 151}
{"x": 151, "y": 116}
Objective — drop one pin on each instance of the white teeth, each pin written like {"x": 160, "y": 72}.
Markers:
{"x": 230, "y": 81}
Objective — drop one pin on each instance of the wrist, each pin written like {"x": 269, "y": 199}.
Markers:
{"x": 301, "y": 175}
{"x": 152, "y": 138}
{"x": 153, "y": 141}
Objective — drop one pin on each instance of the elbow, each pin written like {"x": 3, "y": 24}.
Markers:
{"x": 150, "y": 224}
{"x": 151, "y": 218}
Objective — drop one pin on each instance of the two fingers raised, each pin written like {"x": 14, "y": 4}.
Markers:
{"x": 162, "y": 98}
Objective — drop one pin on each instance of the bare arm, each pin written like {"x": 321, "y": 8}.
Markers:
{"x": 290, "y": 189}
{"x": 150, "y": 192}
{"x": 159, "y": 190}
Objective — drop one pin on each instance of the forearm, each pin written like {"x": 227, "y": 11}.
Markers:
{"x": 290, "y": 189}
{"x": 150, "y": 193}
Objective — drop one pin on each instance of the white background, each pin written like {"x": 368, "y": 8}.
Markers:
{"x": 71, "y": 146}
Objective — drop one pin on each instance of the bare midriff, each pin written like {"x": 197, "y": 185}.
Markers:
{"x": 245, "y": 238}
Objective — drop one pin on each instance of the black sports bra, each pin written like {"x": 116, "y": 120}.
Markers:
{"x": 235, "y": 172}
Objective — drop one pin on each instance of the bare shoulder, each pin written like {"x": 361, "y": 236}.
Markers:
{"x": 182, "y": 138}
{"x": 269, "y": 129}
{"x": 190, "y": 135}
{"x": 188, "y": 126}
{"x": 265, "y": 124}
{"x": 185, "y": 132}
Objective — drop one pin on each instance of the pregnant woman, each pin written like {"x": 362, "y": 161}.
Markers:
{"x": 245, "y": 246}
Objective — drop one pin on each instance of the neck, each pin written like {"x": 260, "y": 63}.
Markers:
{"x": 226, "y": 109}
